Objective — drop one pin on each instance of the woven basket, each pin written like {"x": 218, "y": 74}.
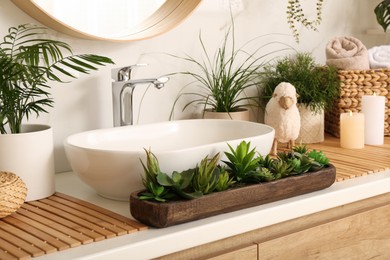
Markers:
{"x": 353, "y": 85}
{"x": 13, "y": 192}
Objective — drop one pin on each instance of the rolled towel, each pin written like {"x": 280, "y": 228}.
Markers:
{"x": 347, "y": 53}
{"x": 379, "y": 57}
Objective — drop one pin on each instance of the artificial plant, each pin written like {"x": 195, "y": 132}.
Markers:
{"x": 382, "y": 13}
{"x": 29, "y": 61}
{"x": 243, "y": 167}
{"x": 223, "y": 80}
{"x": 296, "y": 15}
{"x": 317, "y": 86}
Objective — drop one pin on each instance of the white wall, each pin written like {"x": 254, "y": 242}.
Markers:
{"x": 86, "y": 104}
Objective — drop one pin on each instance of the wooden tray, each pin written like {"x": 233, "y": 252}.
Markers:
{"x": 171, "y": 213}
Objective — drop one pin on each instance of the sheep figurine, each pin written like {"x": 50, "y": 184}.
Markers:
{"x": 281, "y": 112}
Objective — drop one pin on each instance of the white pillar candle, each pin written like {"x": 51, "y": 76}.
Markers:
{"x": 352, "y": 130}
{"x": 373, "y": 108}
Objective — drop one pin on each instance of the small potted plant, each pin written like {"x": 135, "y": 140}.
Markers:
{"x": 29, "y": 61}
{"x": 224, "y": 82}
{"x": 317, "y": 88}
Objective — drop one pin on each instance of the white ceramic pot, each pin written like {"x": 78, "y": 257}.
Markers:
{"x": 30, "y": 155}
{"x": 239, "y": 115}
{"x": 312, "y": 125}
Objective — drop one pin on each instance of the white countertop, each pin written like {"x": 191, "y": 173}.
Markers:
{"x": 157, "y": 242}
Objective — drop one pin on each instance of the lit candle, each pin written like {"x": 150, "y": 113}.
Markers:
{"x": 352, "y": 130}
{"x": 373, "y": 108}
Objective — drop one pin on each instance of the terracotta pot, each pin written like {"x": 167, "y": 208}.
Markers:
{"x": 30, "y": 155}
{"x": 243, "y": 114}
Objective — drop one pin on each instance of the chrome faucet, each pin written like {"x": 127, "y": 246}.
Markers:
{"x": 122, "y": 93}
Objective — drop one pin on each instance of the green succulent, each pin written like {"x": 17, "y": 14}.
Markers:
{"x": 225, "y": 181}
{"x": 300, "y": 165}
{"x": 157, "y": 192}
{"x": 265, "y": 162}
{"x": 151, "y": 169}
{"x": 179, "y": 182}
{"x": 282, "y": 169}
{"x": 242, "y": 161}
{"x": 261, "y": 174}
{"x": 206, "y": 175}
{"x": 319, "y": 160}
{"x": 302, "y": 149}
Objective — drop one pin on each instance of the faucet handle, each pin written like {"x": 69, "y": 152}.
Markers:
{"x": 124, "y": 73}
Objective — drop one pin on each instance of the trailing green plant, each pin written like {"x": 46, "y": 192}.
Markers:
{"x": 295, "y": 15}
{"x": 244, "y": 166}
{"x": 317, "y": 86}
{"x": 29, "y": 61}
{"x": 382, "y": 13}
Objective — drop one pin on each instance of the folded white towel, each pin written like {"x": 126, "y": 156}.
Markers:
{"x": 347, "y": 53}
{"x": 379, "y": 57}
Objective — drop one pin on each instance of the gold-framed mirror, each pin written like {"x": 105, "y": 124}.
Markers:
{"x": 161, "y": 16}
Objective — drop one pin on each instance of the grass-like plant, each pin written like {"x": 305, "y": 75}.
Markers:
{"x": 29, "y": 61}
{"x": 223, "y": 80}
{"x": 317, "y": 86}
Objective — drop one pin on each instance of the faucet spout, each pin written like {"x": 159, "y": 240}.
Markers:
{"x": 123, "y": 97}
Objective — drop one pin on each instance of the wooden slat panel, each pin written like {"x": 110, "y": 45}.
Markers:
{"x": 58, "y": 223}
{"x": 86, "y": 214}
{"x": 14, "y": 251}
{"x": 62, "y": 228}
{"x": 124, "y": 220}
{"x": 80, "y": 221}
{"x": 19, "y": 232}
{"x": 29, "y": 248}
{"x": 41, "y": 229}
{"x": 69, "y": 224}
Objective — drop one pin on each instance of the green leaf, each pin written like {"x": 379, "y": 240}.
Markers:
{"x": 382, "y": 13}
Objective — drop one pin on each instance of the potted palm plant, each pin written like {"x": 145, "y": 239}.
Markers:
{"x": 317, "y": 87}
{"x": 29, "y": 61}
{"x": 224, "y": 82}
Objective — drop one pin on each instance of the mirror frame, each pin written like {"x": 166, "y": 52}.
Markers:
{"x": 169, "y": 15}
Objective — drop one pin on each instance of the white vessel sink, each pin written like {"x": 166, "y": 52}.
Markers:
{"x": 108, "y": 160}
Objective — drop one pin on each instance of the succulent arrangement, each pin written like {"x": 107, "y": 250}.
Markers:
{"x": 243, "y": 167}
